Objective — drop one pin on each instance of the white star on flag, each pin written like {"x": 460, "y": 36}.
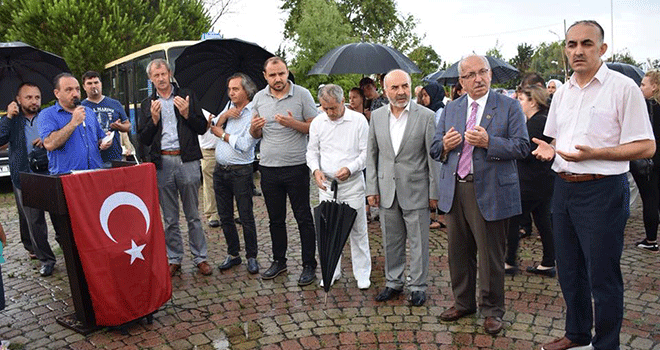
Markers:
{"x": 135, "y": 252}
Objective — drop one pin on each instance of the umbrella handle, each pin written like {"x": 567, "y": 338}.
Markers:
{"x": 333, "y": 188}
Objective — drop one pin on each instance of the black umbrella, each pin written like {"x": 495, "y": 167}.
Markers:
{"x": 502, "y": 72}
{"x": 362, "y": 58}
{"x": 333, "y": 225}
{"x": 433, "y": 77}
{"x": 632, "y": 72}
{"x": 19, "y": 63}
{"x": 205, "y": 67}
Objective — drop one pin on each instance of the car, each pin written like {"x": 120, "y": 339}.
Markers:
{"x": 4, "y": 161}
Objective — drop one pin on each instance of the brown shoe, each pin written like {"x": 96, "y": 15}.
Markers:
{"x": 174, "y": 268}
{"x": 453, "y": 314}
{"x": 493, "y": 325}
{"x": 565, "y": 344}
{"x": 204, "y": 268}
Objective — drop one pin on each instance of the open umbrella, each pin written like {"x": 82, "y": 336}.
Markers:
{"x": 362, "y": 58}
{"x": 19, "y": 63}
{"x": 502, "y": 72}
{"x": 433, "y": 77}
{"x": 205, "y": 67}
{"x": 632, "y": 72}
{"x": 333, "y": 225}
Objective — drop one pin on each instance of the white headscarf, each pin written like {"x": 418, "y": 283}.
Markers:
{"x": 557, "y": 83}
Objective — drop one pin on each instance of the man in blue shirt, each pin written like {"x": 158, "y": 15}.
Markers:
{"x": 232, "y": 177}
{"x": 109, "y": 113}
{"x": 70, "y": 132}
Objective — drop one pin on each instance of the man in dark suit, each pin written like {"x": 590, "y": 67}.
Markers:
{"x": 477, "y": 140}
{"x": 400, "y": 180}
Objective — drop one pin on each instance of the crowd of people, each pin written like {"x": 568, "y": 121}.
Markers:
{"x": 485, "y": 164}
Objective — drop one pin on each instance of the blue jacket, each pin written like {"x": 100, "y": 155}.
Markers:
{"x": 13, "y": 131}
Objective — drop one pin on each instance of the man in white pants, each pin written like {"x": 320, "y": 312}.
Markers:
{"x": 337, "y": 150}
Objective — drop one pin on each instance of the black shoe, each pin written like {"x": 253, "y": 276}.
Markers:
{"x": 230, "y": 262}
{"x": 543, "y": 272}
{"x": 387, "y": 294}
{"x": 417, "y": 298}
{"x": 256, "y": 192}
{"x": 238, "y": 221}
{"x": 651, "y": 246}
{"x": 276, "y": 268}
{"x": 307, "y": 276}
{"x": 252, "y": 266}
{"x": 511, "y": 271}
{"x": 46, "y": 270}
{"x": 214, "y": 223}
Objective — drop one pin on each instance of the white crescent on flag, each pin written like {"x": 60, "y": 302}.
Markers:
{"x": 121, "y": 198}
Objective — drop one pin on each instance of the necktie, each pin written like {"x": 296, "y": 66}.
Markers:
{"x": 466, "y": 156}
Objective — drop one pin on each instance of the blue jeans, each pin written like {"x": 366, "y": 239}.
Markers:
{"x": 588, "y": 219}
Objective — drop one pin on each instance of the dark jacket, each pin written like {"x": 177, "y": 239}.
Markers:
{"x": 188, "y": 129}
{"x": 536, "y": 177}
{"x": 13, "y": 131}
{"x": 654, "y": 114}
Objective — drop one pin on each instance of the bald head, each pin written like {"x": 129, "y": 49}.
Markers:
{"x": 397, "y": 88}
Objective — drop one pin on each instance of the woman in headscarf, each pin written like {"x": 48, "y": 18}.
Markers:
{"x": 552, "y": 86}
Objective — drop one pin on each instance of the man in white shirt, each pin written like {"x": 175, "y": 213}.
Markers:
{"x": 600, "y": 122}
{"x": 337, "y": 150}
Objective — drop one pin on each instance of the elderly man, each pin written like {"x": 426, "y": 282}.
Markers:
{"x": 169, "y": 123}
{"x": 109, "y": 112}
{"x": 400, "y": 181}
{"x": 337, "y": 150}
{"x": 232, "y": 177}
{"x": 282, "y": 113}
{"x": 478, "y": 139}
{"x": 19, "y": 129}
{"x": 599, "y": 122}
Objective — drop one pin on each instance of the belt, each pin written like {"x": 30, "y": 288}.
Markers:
{"x": 467, "y": 178}
{"x": 171, "y": 153}
{"x": 231, "y": 166}
{"x": 570, "y": 177}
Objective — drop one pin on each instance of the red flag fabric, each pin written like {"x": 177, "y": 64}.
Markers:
{"x": 117, "y": 227}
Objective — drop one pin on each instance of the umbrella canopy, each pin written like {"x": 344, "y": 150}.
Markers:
{"x": 433, "y": 77}
{"x": 205, "y": 67}
{"x": 333, "y": 225}
{"x": 502, "y": 72}
{"x": 19, "y": 63}
{"x": 363, "y": 58}
{"x": 632, "y": 72}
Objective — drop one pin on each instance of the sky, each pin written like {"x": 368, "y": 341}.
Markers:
{"x": 455, "y": 28}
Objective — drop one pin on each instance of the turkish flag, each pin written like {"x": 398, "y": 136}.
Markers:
{"x": 117, "y": 227}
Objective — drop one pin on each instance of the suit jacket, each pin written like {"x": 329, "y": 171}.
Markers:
{"x": 409, "y": 174}
{"x": 495, "y": 172}
{"x": 13, "y": 131}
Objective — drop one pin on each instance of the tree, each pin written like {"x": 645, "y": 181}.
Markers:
{"x": 549, "y": 60}
{"x": 427, "y": 60}
{"x": 523, "y": 59}
{"x": 495, "y": 51}
{"x": 90, "y": 33}
{"x": 623, "y": 56}
{"x": 218, "y": 8}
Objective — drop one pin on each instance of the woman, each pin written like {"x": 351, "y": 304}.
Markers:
{"x": 536, "y": 184}
{"x": 649, "y": 184}
{"x": 457, "y": 91}
{"x": 356, "y": 100}
{"x": 431, "y": 96}
{"x": 552, "y": 86}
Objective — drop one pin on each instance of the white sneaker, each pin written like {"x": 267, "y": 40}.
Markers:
{"x": 364, "y": 284}
{"x": 334, "y": 279}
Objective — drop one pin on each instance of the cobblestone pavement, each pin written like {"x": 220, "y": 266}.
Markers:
{"x": 236, "y": 310}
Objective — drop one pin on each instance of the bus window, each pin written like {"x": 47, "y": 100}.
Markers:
{"x": 141, "y": 78}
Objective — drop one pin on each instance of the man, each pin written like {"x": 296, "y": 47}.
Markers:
{"x": 400, "y": 182}
{"x": 70, "y": 132}
{"x": 169, "y": 123}
{"x": 337, "y": 150}
{"x": 109, "y": 113}
{"x": 282, "y": 113}
{"x": 232, "y": 177}
{"x": 207, "y": 142}
{"x": 20, "y": 129}
{"x": 478, "y": 139}
{"x": 372, "y": 99}
{"x": 599, "y": 122}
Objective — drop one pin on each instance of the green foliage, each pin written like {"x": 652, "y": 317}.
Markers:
{"x": 623, "y": 56}
{"x": 523, "y": 59}
{"x": 495, "y": 51}
{"x": 427, "y": 60}
{"x": 547, "y": 60}
{"x": 88, "y": 34}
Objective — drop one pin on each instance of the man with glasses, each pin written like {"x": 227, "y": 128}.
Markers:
{"x": 478, "y": 139}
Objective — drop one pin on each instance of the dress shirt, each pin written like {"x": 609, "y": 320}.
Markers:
{"x": 336, "y": 144}
{"x": 31, "y": 132}
{"x": 398, "y": 127}
{"x": 481, "y": 101}
{"x": 239, "y": 150}
{"x": 170, "y": 136}
{"x": 608, "y": 111}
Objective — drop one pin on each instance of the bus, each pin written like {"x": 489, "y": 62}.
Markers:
{"x": 125, "y": 79}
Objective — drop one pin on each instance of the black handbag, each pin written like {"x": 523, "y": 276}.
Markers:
{"x": 38, "y": 159}
{"x": 642, "y": 167}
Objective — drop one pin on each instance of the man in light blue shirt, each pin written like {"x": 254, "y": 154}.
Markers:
{"x": 232, "y": 177}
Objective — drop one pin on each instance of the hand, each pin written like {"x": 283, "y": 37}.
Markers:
{"x": 105, "y": 145}
{"x": 320, "y": 179}
{"x": 451, "y": 139}
{"x": 116, "y": 125}
{"x": 233, "y": 113}
{"x": 12, "y": 109}
{"x": 544, "y": 151}
{"x": 477, "y": 137}
{"x": 217, "y": 130}
{"x": 256, "y": 125}
{"x": 78, "y": 116}
{"x": 287, "y": 120}
{"x": 182, "y": 105}
{"x": 583, "y": 153}
{"x": 155, "y": 111}
{"x": 433, "y": 204}
{"x": 37, "y": 143}
{"x": 374, "y": 200}
{"x": 343, "y": 174}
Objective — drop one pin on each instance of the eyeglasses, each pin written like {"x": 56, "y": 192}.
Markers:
{"x": 482, "y": 73}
